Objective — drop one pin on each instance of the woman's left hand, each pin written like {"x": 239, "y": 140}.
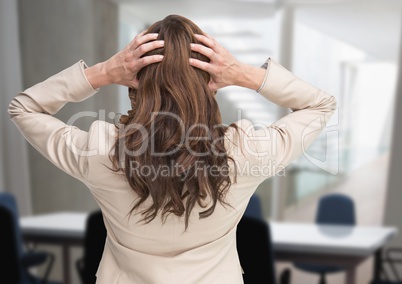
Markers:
{"x": 224, "y": 68}
{"x": 123, "y": 67}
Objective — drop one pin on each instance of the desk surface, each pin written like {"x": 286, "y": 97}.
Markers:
{"x": 66, "y": 224}
{"x": 287, "y": 237}
{"x": 339, "y": 240}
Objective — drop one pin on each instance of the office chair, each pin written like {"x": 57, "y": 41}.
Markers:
{"x": 254, "y": 208}
{"x": 333, "y": 209}
{"x": 9, "y": 261}
{"x": 255, "y": 251}
{"x": 15, "y": 248}
{"x": 94, "y": 242}
{"x": 13, "y": 267}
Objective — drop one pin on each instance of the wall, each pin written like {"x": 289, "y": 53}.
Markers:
{"x": 14, "y": 169}
{"x": 55, "y": 35}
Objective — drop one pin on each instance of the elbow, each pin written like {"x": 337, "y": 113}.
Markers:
{"x": 330, "y": 108}
{"x": 328, "y": 103}
{"x": 333, "y": 103}
{"x": 14, "y": 108}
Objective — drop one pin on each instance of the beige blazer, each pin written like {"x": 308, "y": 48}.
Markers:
{"x": 165, "y": 253}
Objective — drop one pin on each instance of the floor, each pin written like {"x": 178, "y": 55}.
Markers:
{"x": 368, "y": 186}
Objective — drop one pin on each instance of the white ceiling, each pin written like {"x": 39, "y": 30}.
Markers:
{"x": 154, "y": 10}
{"x": 371, "y": 25}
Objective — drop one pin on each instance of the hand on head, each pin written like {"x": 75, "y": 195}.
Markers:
{"x": 124, "y": 65}
{"x": 222, "y": 70}
{"x": 223, "y": 67}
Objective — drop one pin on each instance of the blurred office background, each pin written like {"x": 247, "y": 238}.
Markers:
{"x": 351, "y": 49}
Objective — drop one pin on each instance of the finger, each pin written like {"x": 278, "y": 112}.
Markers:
{"x": 205, "y": 34}
{"x": 205, "y": 66}
{"x": 210, "y": 42}
{"x": 208, "y": 36}
{"x": 142, "y": 33}
{"x": 146, "y": 47}
{"x": 147, "y": 60}
{"x": 137, "y": 36}
{"x": 139, "y": 40}
{"x": 208, "y": 52}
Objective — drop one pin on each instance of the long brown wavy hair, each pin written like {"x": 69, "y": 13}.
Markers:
{"x": 173, "y": 101}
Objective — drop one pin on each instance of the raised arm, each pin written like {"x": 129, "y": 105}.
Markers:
{"x": 64, "y": 145}
{"x": 286, "y": 139}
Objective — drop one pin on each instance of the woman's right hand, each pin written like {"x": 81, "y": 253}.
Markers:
{"x": 224, "y": 68}
{"x": 122, "y": 68}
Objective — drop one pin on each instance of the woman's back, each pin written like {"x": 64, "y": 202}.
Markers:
{"x": 182, "y": 228}
{"x": 161, "y": 250}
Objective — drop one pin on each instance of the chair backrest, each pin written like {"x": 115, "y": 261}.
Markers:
{"x": 9, "y": 259}
{"x": 254, "y": 208}
{"x": 7, "y": 200}
{"x": 336, "y": 209}
{"x": 95, "y": 237}
{"x": 254, "y": 247}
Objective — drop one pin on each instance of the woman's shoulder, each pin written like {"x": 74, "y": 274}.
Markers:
{"x": 240, "y": 140}
{"x": 102, "y": 137}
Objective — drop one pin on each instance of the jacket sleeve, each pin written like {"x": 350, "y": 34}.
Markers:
{"x": 64, "y": 145}
{"x": 273, "y": 147}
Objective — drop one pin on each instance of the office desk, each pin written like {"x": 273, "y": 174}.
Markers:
{"x": 345, "y": 246}
{"x": 65, "y": 229}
